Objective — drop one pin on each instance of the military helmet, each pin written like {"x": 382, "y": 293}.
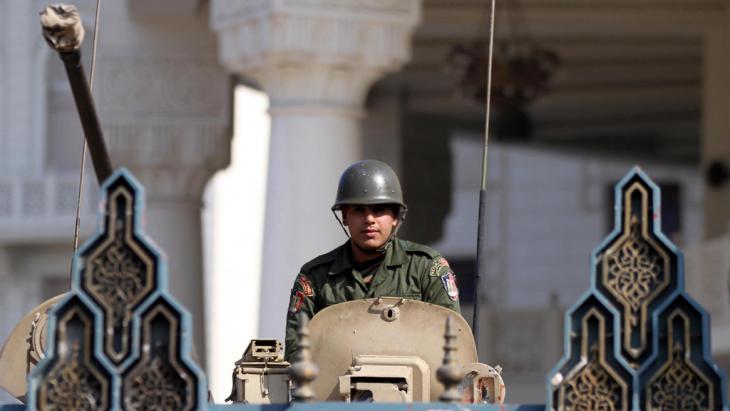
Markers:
{"x": 369, "y": 182}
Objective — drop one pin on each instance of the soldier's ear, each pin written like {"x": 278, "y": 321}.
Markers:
{"x": 343, "y": 211}
{"x": 396, "y": 215}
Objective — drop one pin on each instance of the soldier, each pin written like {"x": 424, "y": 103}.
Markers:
{"x": 373, "y": 262}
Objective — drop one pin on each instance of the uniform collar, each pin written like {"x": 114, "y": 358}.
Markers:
{"x": 343, "y": 260}
{"x": 395, "y": 256}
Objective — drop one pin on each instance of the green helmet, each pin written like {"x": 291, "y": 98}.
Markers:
{"x": 369, "y": 182}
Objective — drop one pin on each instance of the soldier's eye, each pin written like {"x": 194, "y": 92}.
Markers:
{"x": 379, "y": 209}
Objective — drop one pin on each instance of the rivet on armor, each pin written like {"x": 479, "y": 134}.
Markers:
{"x": 450, "y": 374}
{"x": 303, "y": 371}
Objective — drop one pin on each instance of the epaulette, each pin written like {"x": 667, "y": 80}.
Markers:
{"x": 322, "y": 259}
{"x": 415, "y": 248}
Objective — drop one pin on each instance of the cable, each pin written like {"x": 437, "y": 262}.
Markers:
{"x": 79, "y": 200}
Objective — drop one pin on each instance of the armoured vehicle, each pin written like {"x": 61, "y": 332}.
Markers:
{"x": 118, "y": 339}
{"x": 379, "y": 349}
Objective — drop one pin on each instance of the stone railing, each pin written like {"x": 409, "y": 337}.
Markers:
{"x": 44, "y": 207}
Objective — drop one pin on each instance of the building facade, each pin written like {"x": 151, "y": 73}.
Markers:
{"x": 373, "y": 79}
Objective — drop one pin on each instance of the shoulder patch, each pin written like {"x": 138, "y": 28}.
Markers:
{"x": 295, "y": 304}
{"x": 439, "y": 267}
{"x": 305, "y": 285}
{"x": 449, "y": 282}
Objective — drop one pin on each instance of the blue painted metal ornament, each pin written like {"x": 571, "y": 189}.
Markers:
{"x": 118, "y": 340}
{"x": 636, "y": 339}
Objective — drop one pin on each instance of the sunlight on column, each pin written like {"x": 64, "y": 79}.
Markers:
{"x": 233, "y": 219}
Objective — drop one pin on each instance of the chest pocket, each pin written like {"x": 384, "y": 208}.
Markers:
{"x": 399, "y": 283}
{"x": 339, "y": 290}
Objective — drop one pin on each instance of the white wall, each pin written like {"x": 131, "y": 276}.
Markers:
{"x": 546, "y": 213}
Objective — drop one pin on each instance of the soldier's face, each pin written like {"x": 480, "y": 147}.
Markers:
{"x": 369, "y": 226}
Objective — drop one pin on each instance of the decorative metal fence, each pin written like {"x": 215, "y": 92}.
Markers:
{"x": 635, "y": 340}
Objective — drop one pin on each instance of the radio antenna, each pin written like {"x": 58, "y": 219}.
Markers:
{"x": 481, "y": 263}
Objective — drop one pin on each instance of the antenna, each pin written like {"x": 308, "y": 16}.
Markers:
{"x": 481, "y": 263}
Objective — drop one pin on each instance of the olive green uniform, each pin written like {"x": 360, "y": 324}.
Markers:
{"x": 408, "y": 270}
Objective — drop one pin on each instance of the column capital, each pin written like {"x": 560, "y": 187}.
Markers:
{"x": 315, "y": 54}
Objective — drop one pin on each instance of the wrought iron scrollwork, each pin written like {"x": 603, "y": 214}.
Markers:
{"x": 679, "y": 387}
{"x": 638, "y": 277}
{"x": 633, "y": 272}
{"x": 71, "y": 386}
{"x": 119, "y": 271}
{"x": 74, "y": 380}
{"x": 635, "y": 269}
{"x": 158, "y": 387}
{"x": 123, "y": 342}
{"x": 592, "y": 388}
{"x": 682, "y": 377}
{"x": 592, "y": 382}
{"x": 160, "y": 380}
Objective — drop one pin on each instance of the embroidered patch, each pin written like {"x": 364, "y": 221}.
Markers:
{"x": 449, "y": 282}
{"x": 306, "y": 285}
{"x": 437, "y": 266}
{"x": 296, "y": 302}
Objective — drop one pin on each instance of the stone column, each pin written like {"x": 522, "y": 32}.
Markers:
{"x": 716, "y": 124}
{"x": 316, "y": 59}
{"x": 164, "y": 103}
